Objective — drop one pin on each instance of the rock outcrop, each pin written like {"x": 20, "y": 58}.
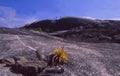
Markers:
{"x": 86, "y": 59}
{"x": 92, "y": 46}
{"x": 79, "y": 29}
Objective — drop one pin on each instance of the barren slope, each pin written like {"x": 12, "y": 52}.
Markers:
{"x": 86, "y": 59}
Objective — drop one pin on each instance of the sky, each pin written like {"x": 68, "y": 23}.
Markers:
{"x": 17, "y": 13}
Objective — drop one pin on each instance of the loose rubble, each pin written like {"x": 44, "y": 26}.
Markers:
{"x": 26, "y": 67}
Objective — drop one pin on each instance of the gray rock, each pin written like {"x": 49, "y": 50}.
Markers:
{"x": 117, "y": 38}
{"x": 85, "y": 59}
{"x": 30, "y": 68}
{"x": 54, "y": 70}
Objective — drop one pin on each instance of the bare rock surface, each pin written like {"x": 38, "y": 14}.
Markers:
{"x": 86, "y": 59}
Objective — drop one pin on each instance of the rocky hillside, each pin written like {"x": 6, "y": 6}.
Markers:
{"x": 80, "y": 29}
{"x": 86, "y": 59}
{"x": 27, "y": 52}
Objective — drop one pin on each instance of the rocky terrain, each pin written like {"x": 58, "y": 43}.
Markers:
{"x": 80, "y": 29}
{"x": 89, "y": 55}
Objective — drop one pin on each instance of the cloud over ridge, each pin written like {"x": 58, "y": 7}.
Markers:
{"x": 9, "y": 18}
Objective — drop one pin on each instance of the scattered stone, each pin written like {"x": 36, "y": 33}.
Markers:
{"x": 38, "y": 66}
{"x": 20, "y": 59}
{"x": 7, "y": 62}
{"x": 44, "y": 75}
{"x": 117, "y": 38}
{"x": 21, "y": 65}
{"x": 38, "y": 54}
{"x": 54, "y": 69}
{"x": 30, "y": 68}
{"x": 103, "y": 37}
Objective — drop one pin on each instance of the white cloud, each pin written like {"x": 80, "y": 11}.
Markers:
{"x": 9, "y": 18}
{"x": 115, "y": 19}
{"x": 87, "y": 17}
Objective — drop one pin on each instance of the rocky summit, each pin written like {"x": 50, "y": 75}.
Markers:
{"x": 92, "y": 47}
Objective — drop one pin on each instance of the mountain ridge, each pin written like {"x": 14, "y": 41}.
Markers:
{"x": 87, "y": 29}
{"x": 18, "y": 46}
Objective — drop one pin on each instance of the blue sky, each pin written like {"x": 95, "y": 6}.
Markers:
{"x": 16, "y": 13}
